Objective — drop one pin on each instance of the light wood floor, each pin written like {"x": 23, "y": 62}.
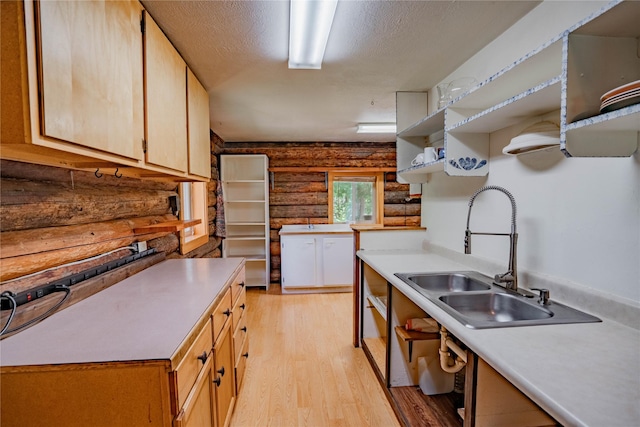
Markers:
{"x": 303, "y": 369}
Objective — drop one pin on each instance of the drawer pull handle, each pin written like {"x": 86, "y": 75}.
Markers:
{"x": 203, "y": 357}
{"x": 246, "y": 355}
{"x": 242, "y": 306}
{"x": 217, "y": 381}
{"x": 243, "y": 329}
{"x": 227, "y": 312}
{"x": 241, "y": 284}
{"x": 221, "y": 371}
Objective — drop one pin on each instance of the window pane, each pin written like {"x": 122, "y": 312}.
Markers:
{"x": 187, "y": 206}
{"x": 354, "y": 201}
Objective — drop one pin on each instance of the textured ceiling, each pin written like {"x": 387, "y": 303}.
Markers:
{"x": 239, "y": 51}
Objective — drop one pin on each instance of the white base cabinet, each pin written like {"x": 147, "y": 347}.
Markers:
{"x": 316, "y": 262}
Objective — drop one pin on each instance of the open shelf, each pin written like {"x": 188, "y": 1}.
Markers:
{"x": 245, "y": 187}
{"x": 380, "y": 304}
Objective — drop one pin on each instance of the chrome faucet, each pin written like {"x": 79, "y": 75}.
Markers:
{"x": 510, "y": 278}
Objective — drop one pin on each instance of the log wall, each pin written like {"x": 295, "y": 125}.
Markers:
{"x": 50, "y": 217}
{"x": 296, "y": 197}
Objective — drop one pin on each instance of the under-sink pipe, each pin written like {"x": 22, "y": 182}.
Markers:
{"x": 447, "y": 363}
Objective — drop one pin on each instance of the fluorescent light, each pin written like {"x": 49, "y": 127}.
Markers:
{"x": 309, "y": 25}
{"x": 376, "y": 128}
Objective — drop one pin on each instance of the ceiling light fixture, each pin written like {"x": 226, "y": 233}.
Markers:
{"x": 309, "y": 25}
{"x": 376, "y": 128}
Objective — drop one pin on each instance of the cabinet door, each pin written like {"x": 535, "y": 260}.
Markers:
{"x": 198, "y": 122}
{"x": 90, "y": 74}
{"x": 224, "y": 376}
{"x": 198, "y": 407}
{"x": 337, "y": 265}
{"x": 166, "y": 100}
{"x": 298, "y": 262}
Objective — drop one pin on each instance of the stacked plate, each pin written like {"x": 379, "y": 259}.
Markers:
{"x": 622, "y": 96}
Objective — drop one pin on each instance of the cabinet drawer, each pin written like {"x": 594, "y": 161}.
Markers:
{"x": 240, "y": 336}
{"x": 221, "y": 313}
{"x": 238, "y": 287}
{"x": 192, "y": 363}
{"x": 239, "y": 309}
{"x": 241, "y": 364}
{"x": 198, "y": 406}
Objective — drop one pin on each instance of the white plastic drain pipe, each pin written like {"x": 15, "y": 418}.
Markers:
{"x": 447, "y": 363}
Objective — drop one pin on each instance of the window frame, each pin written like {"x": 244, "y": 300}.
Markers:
{"x": 379, "y": 192}
{"x": 199, "y": 210}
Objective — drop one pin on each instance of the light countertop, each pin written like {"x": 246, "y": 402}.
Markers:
{"x": 582, "y": 374}
{"x": 143, "y": 317}
{"x": 317, "y": 229}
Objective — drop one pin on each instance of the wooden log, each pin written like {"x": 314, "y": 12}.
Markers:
{"x": 27, "y": 204}
{"x": 54, "y": 250}
{"x": 298, "y": 199}
{"x": 80, "y": 291}
{"x": 314, "y": 211}
{"x": 27, "y": 282}
{"x": 72, "y": 178}
{"x": 399, "y": 221}
{"x": 167, "y": 244}
{"x": 299, "y": 177}
{"x": 35, "y": 241}
{"x": 401, "y": 209}
{"x": 298, "y": 187}
{"x": 274, "y": 247}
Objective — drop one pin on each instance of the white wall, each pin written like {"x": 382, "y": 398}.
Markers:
{"x": 578, "y": 218}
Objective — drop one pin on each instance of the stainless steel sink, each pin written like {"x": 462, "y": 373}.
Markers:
{"x": 495, "y": 307}
{"x": 500, "y": 308}
{"x": 475, "y": 301}
{"x": 463, "y": 281}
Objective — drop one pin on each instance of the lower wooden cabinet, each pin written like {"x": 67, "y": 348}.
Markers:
{"x": 224, "y": 376}
{"x": 240, "y": 337}
{"x": 198, "y": 408}
{"x": 192, "y": 381}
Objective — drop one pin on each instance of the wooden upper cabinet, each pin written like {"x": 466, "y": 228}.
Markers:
{"x": 90, "y": 74}
{"x": 198, "y": 122}
{"x": 165, "y": 92}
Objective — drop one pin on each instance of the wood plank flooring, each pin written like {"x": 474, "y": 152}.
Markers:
{"x": 302, "y": 368}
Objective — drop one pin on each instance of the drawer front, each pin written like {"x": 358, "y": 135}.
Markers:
{"x": 241, "y": 364}
{"x": 237, "y": 287}
{"x": 240, "y": 336}
{"x": 193, "y": 362}
{"x": 198, "y": 406}
{"x": 221, "y": 313}
{"x": 239, "y": 309}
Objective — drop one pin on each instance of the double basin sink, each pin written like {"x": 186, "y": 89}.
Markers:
{"x": 475, "y": 301}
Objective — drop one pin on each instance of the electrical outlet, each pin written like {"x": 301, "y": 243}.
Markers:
{"x": 140, "y": 246}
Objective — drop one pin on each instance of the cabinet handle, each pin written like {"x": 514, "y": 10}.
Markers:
{"x": 246, "y": 355}
{"x": 242, "y": 306}
{"x": 227, "y": 312}
{"x": 241, "y": 284}
{"x": 217, "y": 381}
{"x": 243, "y": 329}
{"x": 221, "y": 371}
{"x": 203, "y": 357}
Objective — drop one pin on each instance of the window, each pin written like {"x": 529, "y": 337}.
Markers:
{"x": 356, "y": 197}
{"x": 193, "y": 203}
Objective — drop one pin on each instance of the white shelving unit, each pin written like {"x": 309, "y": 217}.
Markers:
{"x": 245, "y": 188}
{"x": 567, "y": 75}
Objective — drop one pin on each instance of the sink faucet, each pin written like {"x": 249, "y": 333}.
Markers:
{"x": 510, "y": 278}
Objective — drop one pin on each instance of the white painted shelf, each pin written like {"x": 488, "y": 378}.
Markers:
{"x": 245, "y": 188}
{"x": 567, "y": 74}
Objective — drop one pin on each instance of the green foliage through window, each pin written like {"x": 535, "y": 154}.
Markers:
{"x": 353, "y": 202}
